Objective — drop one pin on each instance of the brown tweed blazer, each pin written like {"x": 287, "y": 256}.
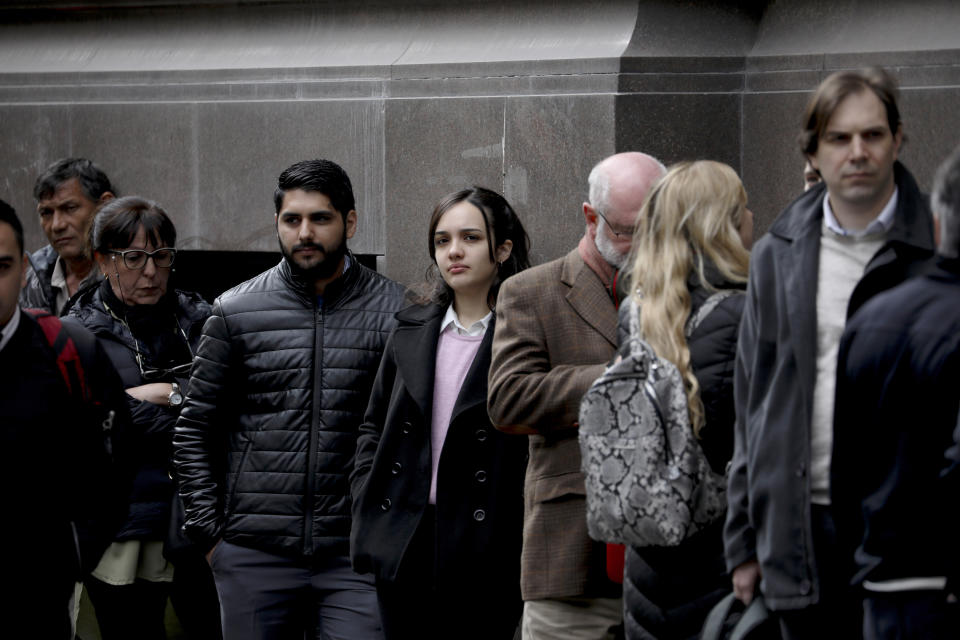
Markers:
{"x": 556, "y": 328}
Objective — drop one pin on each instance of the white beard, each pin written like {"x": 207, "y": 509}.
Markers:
{"x": 605, "y": 247}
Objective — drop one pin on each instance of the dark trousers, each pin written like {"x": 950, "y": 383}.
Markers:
{"x": 39, "y": 605}
{"x": 264, "y": 596}
{"x": 193, "y": 595}
{"x": 910, "y": 615}
{"x": 415, "y": 606}
{"x": 837, "y": 612}
{"x": 130, "y": 610}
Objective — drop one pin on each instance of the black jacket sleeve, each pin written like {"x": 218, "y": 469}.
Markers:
{"x": 199, "y": 439}
{"x": 102, "y": 444}
{"x": 373, "y": 422}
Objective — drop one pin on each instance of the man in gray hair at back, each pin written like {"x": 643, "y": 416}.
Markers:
{"x": 894, "y": 491}
{"x": 556, "y": 328}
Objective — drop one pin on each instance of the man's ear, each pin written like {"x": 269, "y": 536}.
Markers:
{"x": 105, "y": 197}
{"x": 351, "y": 223}
{"x": 25, "y": 261}
{"x": 813, "y": 162}
{"x": 936, "y": 231}
{"x": 590, "y": 214}
{"x": 897, "y": 141}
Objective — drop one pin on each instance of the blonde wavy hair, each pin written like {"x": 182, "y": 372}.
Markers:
{"x": 690, "y": 218}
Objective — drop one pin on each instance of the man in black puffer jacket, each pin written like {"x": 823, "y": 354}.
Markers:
{"x": 265, "y": 441}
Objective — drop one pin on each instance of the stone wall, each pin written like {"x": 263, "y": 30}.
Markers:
{"x": 200, "y": 106}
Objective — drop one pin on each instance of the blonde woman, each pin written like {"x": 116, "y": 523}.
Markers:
{"x": 692, "y": 240}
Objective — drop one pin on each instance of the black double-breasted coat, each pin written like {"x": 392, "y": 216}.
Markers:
{"x": 479, "y": 508}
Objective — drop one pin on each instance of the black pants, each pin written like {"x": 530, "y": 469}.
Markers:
{"x": 910, "y": 615}
{"x": 416, "y": 606}
{"x": 837, "y": 612}
{"x": 193, "y": 595}
{"x": 264, "y": 596}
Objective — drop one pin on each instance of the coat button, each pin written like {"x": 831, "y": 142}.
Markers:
{"x": 805, "y": 586}
{"x": 406, "y": 427}
{"x": 482, "y": 434}
{"x": 481, "y": 476}
{"x": 395, "y": 468}
{"x": 479, "y": 515}
{"x": 386, "y": 504}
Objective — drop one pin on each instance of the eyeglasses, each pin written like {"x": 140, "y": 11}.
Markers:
{"x": 151, "y": 373}
{"x": 137, "y": 258}
{"x": 617, "y": 233}
{"x": 148, "y": 373}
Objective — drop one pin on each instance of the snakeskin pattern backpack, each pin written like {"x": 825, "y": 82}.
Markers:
{"x": 648, "y": 482}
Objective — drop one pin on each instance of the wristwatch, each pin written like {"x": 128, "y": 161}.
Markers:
{"x": 175, "y": 399}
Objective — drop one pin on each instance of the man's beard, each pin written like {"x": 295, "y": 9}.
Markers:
{"x": 605, "y": 247}
{"x": 323, "y": 269}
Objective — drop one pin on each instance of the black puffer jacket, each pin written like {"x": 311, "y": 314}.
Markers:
{"x": 668, "y": 591}
{"x": 159, "y": 331}
{"x": 265, "y": 442}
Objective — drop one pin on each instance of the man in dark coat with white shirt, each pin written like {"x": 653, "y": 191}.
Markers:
{"x": 864, "y": 231}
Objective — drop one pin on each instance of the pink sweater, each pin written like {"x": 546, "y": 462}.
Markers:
{"x": 455, "y": 354}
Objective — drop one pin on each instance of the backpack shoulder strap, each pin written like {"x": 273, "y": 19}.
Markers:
{"x": 706, "y": 309}
{"x": 68, "y": 358}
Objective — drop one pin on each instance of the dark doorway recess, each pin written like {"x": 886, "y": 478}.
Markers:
{"x": 210, "y": 273}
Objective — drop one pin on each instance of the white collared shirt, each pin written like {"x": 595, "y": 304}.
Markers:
{"x": 478, "y": 328}
{"x": 58, "y": 282}
{"x": 11, "y": 328}
{"x": 880, "y": 224}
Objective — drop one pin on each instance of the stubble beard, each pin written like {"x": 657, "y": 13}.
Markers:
{"x": 322, "y": 270}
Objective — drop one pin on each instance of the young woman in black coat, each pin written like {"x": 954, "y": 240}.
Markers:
{"x": 438, "y": 492}
{"x": 693, "y": 237}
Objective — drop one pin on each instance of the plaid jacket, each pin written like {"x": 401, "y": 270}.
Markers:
{"x": 556, "y": 329}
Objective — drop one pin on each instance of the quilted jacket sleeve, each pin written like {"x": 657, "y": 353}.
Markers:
{"x": 199, "y": 438}
{"x": 373, "y": 422}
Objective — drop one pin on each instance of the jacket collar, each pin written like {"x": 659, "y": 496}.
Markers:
{"x": 911, "y": 225}
{"x": 415, "y": 346}
{"x": 334, "y": 290}
{"x": 589, "y": 297}
{"x": 800, "y": 225}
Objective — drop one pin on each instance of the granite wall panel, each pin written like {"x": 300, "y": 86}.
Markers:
{"x": 552, "y": 143}
{"x": 681, "y": 126}
{"x": 432, "y": 148}
{"x": 202, "y": 106}
{"x": 147, "y": 150}
{"x": 243, "y": 147}
{"x": 772, "y": 162}
{"x": 31, "y": 137}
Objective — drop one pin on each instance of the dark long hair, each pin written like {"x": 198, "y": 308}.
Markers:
{"x": 501, "y": 224}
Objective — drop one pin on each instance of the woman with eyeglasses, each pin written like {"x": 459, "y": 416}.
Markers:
{"x": 149, "y": 330}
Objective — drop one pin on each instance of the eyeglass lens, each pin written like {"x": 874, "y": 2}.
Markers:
{"x": 137, "y": 258}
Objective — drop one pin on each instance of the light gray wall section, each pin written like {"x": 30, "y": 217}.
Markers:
{"x": 200, "y": 106}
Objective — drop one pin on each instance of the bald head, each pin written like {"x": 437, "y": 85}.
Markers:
{"x": 618, "y": 186}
